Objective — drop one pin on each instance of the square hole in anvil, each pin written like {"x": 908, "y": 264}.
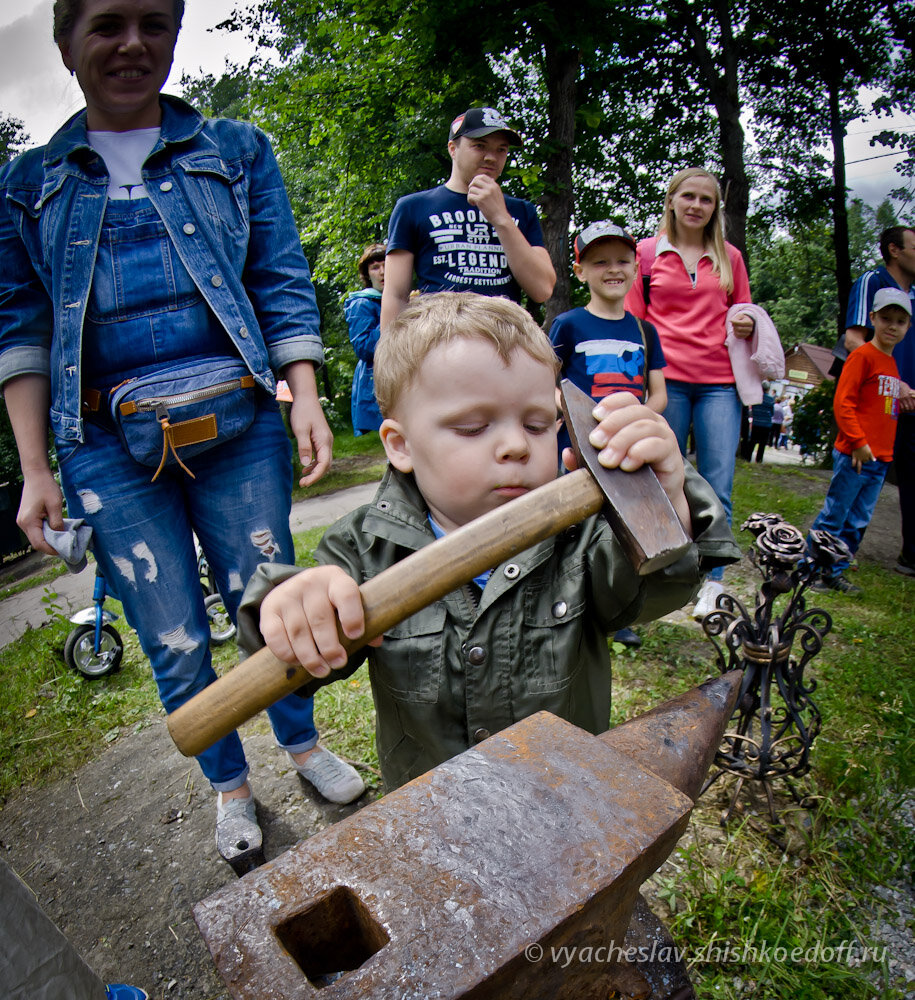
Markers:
{"x": 335, "y": 935}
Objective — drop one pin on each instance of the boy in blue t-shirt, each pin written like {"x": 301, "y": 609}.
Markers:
{"x": 603, "y": 348}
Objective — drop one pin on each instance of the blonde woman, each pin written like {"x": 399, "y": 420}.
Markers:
{"x": 689, "y": 277}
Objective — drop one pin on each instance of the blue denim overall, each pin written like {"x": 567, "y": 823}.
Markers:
{"x": 144, "y": 310}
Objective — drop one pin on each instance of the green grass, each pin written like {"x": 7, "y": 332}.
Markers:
{"x": 38, "y": 580}
{"x": 795, "y": 493}
{"x": 345, "y": 716}
{"x": 356, "y": 461}
{"x": 724, "y": 892}
{"x": 810, "y": 888}
{"x": 53, "y": 719}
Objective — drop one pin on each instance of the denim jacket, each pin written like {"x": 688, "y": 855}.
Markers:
{"x": 218, "y": 190}
{"x": 534, "y": 639}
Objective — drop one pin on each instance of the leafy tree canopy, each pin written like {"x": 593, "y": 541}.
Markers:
{"x": 13, "y": 137}
{"x": 612, "y": 98}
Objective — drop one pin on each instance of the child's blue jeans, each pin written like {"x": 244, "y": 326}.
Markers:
{"x": 238, "y": 505}
{"x": 850, "y": 502}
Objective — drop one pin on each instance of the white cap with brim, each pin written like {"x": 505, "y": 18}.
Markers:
{"x": 892, "y": 297}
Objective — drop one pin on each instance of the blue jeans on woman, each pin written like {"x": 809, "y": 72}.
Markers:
{"x": 713, "y": 411}
{"x": 238, "y": 505}
{"x": 850, "y": 502}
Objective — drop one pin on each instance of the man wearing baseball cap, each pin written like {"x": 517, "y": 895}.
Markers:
{"x": 465, "y": 235}
{"x": 897, "y": 248}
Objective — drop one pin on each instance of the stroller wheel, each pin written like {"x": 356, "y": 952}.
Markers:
{"x": 222, "y": 628}
{"x": 80, "y": 654}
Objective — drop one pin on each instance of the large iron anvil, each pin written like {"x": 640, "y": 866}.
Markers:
{"x": 492, "y": 876}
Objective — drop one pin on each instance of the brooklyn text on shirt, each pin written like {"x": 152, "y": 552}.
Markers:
{"x": 468, "y": 246}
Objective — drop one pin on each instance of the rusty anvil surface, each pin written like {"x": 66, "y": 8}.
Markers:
{"x": 540, "y": 836}
{"x": 634, "y": 503}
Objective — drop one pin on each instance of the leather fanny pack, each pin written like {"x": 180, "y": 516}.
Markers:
{"x": 189, "y": 408}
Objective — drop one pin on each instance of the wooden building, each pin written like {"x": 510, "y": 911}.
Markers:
{"x": 806, "y": 366}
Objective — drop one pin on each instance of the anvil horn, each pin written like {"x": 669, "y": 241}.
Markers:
{"x": 677, "y": 741}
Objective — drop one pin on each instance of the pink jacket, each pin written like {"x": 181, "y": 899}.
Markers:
{"x": 759, "y": 356}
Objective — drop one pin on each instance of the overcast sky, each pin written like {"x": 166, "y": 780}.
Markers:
{"x": 35, "y": 86}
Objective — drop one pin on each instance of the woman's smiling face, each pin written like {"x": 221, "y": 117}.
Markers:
{"x": 694, "y": 202}
{"x": 121, "y": 52}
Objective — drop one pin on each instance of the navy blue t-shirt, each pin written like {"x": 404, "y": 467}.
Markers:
{"x": 454, "y": 248}
{"x": 605, "y": 355}
{"x": 602, "y": 356}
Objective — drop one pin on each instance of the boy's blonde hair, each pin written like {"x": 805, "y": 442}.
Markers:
{"x": 714, "y": 231}
{"x": 443, "y": 317}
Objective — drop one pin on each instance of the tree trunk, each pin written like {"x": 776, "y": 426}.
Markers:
{"x": 734, "y": 184}
{"x": 839, "y": 208}
{"x": 726, "y": 95}
{"x": 562, "y": 70}
{"x": 718, "y": 65}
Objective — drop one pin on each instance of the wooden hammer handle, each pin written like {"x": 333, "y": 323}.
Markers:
{"x": 395, "y": 594}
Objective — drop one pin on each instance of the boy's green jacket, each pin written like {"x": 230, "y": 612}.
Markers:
{"x": 534, "y": 639}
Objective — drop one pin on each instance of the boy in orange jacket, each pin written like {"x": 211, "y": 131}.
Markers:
{"x": 866, "y": 407}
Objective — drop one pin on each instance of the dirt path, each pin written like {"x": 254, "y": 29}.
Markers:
{"x": 119, "y": 853}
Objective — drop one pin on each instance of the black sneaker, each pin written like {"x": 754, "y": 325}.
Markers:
{"x": 627, "y": 637}
{"x": 905, "y": 566}
{"x": 823, "y": 584}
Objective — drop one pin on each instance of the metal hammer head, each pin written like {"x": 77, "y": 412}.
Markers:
{"x": 636, "y": 506}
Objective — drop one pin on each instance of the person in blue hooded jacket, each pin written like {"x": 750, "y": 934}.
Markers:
{"x": 363, "y": 318}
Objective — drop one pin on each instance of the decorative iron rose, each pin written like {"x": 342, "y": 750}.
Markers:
{"x": 826, "y": 550}
{"x": 756, "y": 524}
{"x": 781, "y": 545}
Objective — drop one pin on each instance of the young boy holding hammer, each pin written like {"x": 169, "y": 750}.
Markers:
{"x": 466, "y": 385}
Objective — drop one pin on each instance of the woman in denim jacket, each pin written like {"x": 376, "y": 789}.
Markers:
{"x": 144, "y": 237}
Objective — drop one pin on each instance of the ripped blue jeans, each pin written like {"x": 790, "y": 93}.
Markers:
{"x": 238, "y": 505}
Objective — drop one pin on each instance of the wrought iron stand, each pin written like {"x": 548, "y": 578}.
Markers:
{"x": 776, "y": 719}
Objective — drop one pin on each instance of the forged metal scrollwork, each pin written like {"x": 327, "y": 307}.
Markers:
{"x": 776, "y": 719}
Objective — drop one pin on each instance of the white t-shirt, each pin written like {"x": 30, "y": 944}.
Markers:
{"x": 124, "y": 154}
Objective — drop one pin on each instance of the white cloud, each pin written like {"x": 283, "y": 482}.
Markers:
{"x": 34, "y": 85}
